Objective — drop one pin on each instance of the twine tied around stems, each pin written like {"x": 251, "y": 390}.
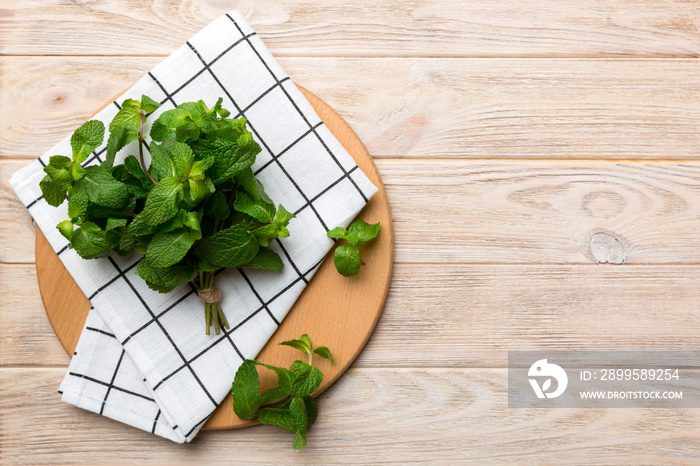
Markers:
{"x": 209, "y": 295}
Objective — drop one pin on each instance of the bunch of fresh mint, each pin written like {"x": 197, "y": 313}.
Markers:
{"x": 290, "y": 404}
{"x": 196, "y": 209}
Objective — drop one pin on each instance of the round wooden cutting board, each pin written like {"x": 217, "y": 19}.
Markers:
{"x": 335, "y": 311}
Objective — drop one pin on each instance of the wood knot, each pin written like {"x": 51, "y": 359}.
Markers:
{"x": 607, "y": 249}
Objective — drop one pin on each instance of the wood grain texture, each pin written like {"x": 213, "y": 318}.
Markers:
{"x": 339, "y": 312}
{"x": 430, "y": 28}
{"x": 463, "y": 315}
{"x": 418, "y": 415}
{"x": 508, "y": 212}
{"x": 456, "y": 108}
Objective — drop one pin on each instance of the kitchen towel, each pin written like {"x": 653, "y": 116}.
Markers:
{"x": 143, "y": 357}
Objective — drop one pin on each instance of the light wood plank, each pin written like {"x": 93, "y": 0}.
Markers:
{"x": 400, "y": 415}
{"x": 458, "y": 108}
{"x": 510, "y": 212}
{"x": 461, "y": 315}
{"x": 336, "y": 28}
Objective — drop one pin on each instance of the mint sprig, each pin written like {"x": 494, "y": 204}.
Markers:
{"x": 289, "y": 405}
{"x": 196, "y": 209}
{"x": 347, "y": 257}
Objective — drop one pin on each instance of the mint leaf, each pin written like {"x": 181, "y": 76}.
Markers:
{"x": 307, "y": 341}
{"x": 162, "y": 202}
{"x": 198, "y": 190}
{"x": 283, "y": 216}
{"x": 199, "y": 168}
{"x": 133, "y": 167}
{"x": 119, "y": 137}
{"x": 162, "y": 165}
{"x": 128, "y": 115}
{"x": 297, "y": 344}
{"x": 246, "y": 391}
{"x": 101, "y": 188}
{"x": 347, "y": 260}
{"x": 149, "y": 105}
{"x": 361, "y": 232}
{"x": 228, "y": 248}
{"x": 284, "y": 384}
{"x": 166, "y": 249}
{"x": 297, "y": 409}
{"x": 258, "y": 209}
{"x": 266, "y": 259}
{"x": 86, "y": 139}
{"x": 54, "y": 192}
{"x": 306, "y": 379}
{"x": 217, "y": 206}
{"x": 90, "y": 241}
{"x": 278, "y": 416}
{"x": 77, "y": 201}
{"x": 182, "y": 157}
{"x": 167, "y": 278}
{"x": 338, "y": 233}
{"x": 60, "y": 161}
{"x": 311, "y": 410}
{"x": 77, "y": 172}
{"x": 230, "y": 158}
{"x": 324, "y": 352}
{"x": 66, "y": 229}
{"x": 113, "y": 223}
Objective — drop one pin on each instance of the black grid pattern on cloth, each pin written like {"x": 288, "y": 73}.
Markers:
{"x": 277, "y": 160}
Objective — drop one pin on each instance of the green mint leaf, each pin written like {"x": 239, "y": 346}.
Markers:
{"x": 197, "y": 190}
{"x": 324, "y": 352}
{"x": 160, "y": 132}
{"x": 183, "y": 157}
{"x": 162, "y": 165}
{"x": 347, "y": 260}
{"x": 54, "y": 192}
{"x": 113, "y": 223}
{"x": 305, "y": 338}
{"x": 119, "y": 137}
{"x": 283, "y": 216}
{"x": 149, "y": 105}
{"x": 337, "y": 233}
{"x": 301, "y": 345}
{"x": 165, "y": 278}
{"x": 361, "y": 232}
{"x": 139, "y": 226}
{"x": 166, "y": 249}
{"x": 266, "y": 234}
{"x": 259, "y": 210}
{"x": 232, "y": 129}
{"x": 199, "y": 168}
{"x": 306, "y": 379}
{"x": 60, "y": 161}
{"x": 297, "y": 409}
{"x": 230, "y": 158}
{"x": 246, "y": 390}
{"x": 77, "y": 172}
{"x": 162, "y": 202}
{"x": 191, "y": 221}
{"x": 103, "y": 189}
{"x": 217, "y": 207}
{"x": 266, "y": 259}
{"x": 128, "y": 115}
{"x": 311, "y": 410}
{"x": 86, "y": 139}
{"x": 284, "y": 384}
{"x": 277, "y": 416}
{"x": 77, "y": 201}
{"x": 231, "y": 247}
{"x": 133, "y": 167}
{"x": 191, "y": 116}
{"x": 90, "y": 241}
{"x": 66, "y": 229}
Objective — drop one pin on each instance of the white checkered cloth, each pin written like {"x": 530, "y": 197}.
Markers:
{"x": 143, "y": 357}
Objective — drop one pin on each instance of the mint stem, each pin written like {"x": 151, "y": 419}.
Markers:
{"x": 143, "y": 163}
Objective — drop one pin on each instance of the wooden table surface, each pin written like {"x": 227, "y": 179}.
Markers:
{"x": 512, "y": 136}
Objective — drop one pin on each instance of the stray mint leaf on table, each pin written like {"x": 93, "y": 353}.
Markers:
{"x": 290, "y": 404}
{"x": 347, "y": 257}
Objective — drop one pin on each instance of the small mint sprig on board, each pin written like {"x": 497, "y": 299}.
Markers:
{"x": 196, "y": 209}
{"x": 347, "y": 258}
{"x": 289, "y": 405}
